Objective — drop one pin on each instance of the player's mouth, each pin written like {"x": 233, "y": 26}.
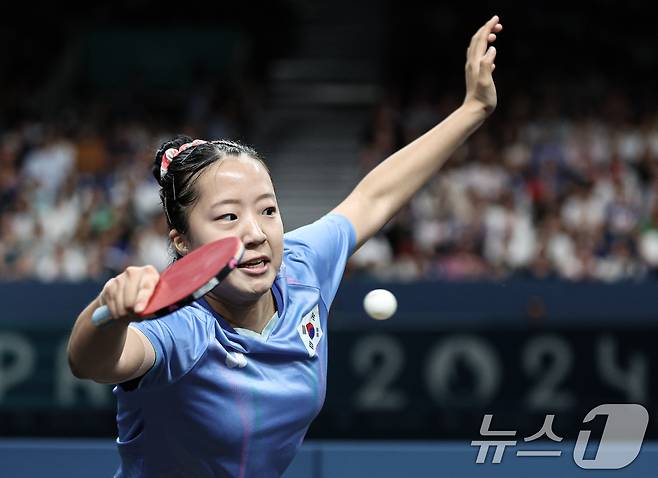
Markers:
{"x": 255, "y": 266}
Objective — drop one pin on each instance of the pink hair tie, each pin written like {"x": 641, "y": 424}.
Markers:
{"x": 169, "y": 155}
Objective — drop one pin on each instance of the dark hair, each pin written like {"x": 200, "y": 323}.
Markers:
{"x": 177, "y": 191}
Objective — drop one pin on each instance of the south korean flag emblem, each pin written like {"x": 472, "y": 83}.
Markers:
{"x": 310, "y": 331}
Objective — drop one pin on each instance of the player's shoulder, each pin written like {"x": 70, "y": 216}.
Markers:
{"x": 302, "y": 240}
{"x": 321, "y": 225}
{"x": 309, "y": 251}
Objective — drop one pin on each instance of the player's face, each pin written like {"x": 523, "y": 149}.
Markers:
{"x": 236, "y": 198}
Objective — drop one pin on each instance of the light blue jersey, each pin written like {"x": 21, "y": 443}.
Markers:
{"x": 220, "y": 402}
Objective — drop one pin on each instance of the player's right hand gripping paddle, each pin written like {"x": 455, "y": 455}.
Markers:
{"x": 187, "y": 279}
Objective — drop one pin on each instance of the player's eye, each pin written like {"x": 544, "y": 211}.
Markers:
{"x": 226, "y": 217}
{"x": 270, "y": 211}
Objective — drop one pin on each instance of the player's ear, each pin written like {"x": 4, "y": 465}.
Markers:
{"x": 179, "y": 242}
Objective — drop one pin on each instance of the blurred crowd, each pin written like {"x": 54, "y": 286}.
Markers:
{"x": 77, "y": 197}
{"x": 535, "y": 193}
{"x": 77, "y": 207}
{"x": 547, "y": 189}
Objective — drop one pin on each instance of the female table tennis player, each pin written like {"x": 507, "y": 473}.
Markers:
{"x": 229, "y": 385}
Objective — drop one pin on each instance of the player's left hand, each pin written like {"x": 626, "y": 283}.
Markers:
{"x": 480, "y": 56}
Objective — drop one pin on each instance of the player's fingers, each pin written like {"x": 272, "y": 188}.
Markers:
{"x": 108, "y": 297}
{"x": 479, "y": 40}
{"x": 147, "y": 285}
{"x": 134, "y": 278}
{"x": 487, "y": 60}
{"x": 120, "y": 297}
{"x": 486, "y": 65}
{"x": 145, "y": 292}
{"x": 491, "y": 54}
{"x": 492, "y": 22}
{"x": 497, "y": 28}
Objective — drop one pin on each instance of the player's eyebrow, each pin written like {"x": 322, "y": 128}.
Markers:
{"x": 238, "y": 201}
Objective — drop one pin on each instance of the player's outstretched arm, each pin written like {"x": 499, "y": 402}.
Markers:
{"x": 381, "y": 194}
{"x": 114, "y": 353}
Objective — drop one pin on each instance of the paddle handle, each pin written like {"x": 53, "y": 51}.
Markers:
{"x": 101, "y": 316}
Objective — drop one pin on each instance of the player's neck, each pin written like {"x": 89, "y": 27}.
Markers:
{"x": 253, "y": 316}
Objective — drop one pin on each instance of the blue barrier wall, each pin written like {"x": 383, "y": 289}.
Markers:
{"x": 452, "y": 353}
{"x": 424, "y": 304}
{"x": 98, "y": 458}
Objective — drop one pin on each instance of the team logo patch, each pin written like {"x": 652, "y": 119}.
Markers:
{"x": 310, "y": 331}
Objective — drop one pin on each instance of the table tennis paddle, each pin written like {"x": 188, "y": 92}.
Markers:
{"x": 187, "y": 279}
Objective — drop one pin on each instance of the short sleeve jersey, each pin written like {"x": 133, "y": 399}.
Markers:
{"x": 222, "y": 403}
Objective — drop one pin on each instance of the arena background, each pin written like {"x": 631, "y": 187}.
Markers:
{"x": 525, "y": 273}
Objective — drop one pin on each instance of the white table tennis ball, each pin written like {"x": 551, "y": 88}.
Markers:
{"x": 380, "y": 304}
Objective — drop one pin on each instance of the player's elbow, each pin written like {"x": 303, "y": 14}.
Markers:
{"x": 82, "y": 369}
{"x": 77, "y": 369}
{"x": 87, "y": 373}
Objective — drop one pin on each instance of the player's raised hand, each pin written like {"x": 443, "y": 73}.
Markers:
{"x": 480, "y": 56}
{"x": 128, "y": 293}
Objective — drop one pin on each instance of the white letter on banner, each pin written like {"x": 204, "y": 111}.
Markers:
{"x": 633, "y": 380}
{"x": 21, "y": 364}
{"x": 66, "y": 384}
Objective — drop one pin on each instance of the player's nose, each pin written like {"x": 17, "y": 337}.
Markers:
{"x": 252, "y": 232}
